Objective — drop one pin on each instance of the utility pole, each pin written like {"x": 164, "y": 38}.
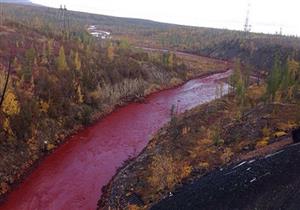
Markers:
{"x": 247, "y": 26}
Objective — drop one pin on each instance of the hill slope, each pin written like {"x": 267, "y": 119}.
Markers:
{"x": 257, "y": 50}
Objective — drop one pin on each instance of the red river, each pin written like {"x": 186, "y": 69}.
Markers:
{"x": 72, "y": 177}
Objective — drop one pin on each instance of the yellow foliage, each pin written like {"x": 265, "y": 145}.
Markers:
{"x": 293, "y": 67}
{"x": 50, "y": 147}
{"x": 153, "y": 88}
{"x": 286, "y": 126}
{"x": 255, "y": 93}
{"x": 263, "y": 142}
{"x": 279, "y": 134}
{"x": 110, "y": 52}
{"x": 171, "y": 60}
{"x": 6, "y": 127}
{"x": 133, "y": 207}
{"x": 33, "y": 146}
{"x": 175, "y": 81}
{"x": 61, "y": 61}
{"x": 186, "y": 170}
{"x": 11, "y": 105}
{"x": 204, "y": 165}
{"x": 166, "y": 172}
{"x": 2, "y": 79}
{"x": 226, "y": 156}
{"x": 266, "y": 132}
{"x": 77, "y": 61}
{"x": 79, "y": 94}
{"x": 44, "y": 106}
{"x": 278, "y": 96}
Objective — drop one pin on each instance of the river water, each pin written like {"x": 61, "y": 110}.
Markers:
{"x": 72, "y": 177}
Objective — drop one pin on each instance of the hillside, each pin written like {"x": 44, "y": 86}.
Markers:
{"x": 257, "y": 50}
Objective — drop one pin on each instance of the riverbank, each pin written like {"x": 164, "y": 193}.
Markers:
{"x": 208, "y": 72}
{"x": 197, "y": 142}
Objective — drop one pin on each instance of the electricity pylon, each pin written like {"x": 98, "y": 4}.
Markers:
{"x": 247, "y": 26}
{"x": 64, "y": 19}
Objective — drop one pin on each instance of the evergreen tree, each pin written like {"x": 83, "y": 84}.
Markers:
{"x": 274, "y": 80}
{"x": 235, "y": 78}
{"x": 27, "y": 68}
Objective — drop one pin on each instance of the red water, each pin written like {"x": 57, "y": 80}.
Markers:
{"x": 72, "y": 177}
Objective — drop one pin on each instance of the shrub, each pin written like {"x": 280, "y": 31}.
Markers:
{"x": 166, "y": 172}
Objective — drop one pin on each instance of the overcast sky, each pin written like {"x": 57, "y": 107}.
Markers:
{"x": 265, "y": 15}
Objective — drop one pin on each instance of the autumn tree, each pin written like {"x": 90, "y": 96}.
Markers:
{"x": 169, "y": 59}
{"x": 49, "y": 48}
{"x": 124, "y": 44}
{"x": 61, "y": 60}
{"x": 289, "y": 79}
{"x": 110, "y": 52}
{"x": 77, "y": 61}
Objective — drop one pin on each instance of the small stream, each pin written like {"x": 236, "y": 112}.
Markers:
{"x": 72, "y": 177}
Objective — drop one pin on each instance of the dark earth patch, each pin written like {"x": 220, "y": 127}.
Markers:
{"x": 271, "y": 182}
{"x": 296, "y": 135}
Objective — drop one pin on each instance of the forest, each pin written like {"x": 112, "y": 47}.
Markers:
{"x": 54, "y": 83}
{"x": 57, "y": 78}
